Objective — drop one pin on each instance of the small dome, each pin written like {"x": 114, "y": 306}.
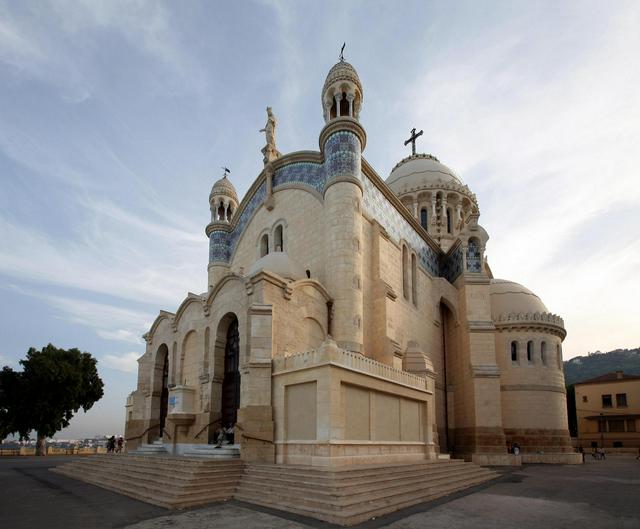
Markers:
{"x": 281, "y": 264}
{"x": 224, "y": 187}
{"x": 508, "y": 296}
{"x": 342, "y": 71}
{"x": 420, "y": 171}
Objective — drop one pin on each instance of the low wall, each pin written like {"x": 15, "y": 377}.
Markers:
{"x": 52, "y": 451}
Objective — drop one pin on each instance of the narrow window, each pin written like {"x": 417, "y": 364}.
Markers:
{"x": 414, "y": 283}
{"x": 279, "y": 246}
{"x": 264, "y": 245}
{"x": 606, "y": 401}
{"x": 559, "y": 353}
{"x": 543, "y": 353}
{"x": 424, "y": 218}
{"x": 585, "y": 399}
{"x": 474, "y": 258}
{"x": 530, "y": 351}
{"x": 631, "y": 425}
{"x": 405, "y": 274}
{"x": 621, "y": 400}
{"x": 514, "y": 352}
{"x": 448, "y": 220}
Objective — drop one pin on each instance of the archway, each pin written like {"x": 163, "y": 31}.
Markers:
{"x": 161, "y": 385}
{"x": 445, "y": 411}
{"x": 230, "y": 398}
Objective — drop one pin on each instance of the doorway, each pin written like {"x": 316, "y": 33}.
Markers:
{"x": 231, "y": 380}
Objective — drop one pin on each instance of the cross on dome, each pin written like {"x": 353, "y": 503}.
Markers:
{"x": 413, "y": 139}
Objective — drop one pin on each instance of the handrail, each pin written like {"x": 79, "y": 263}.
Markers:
{"x": 146, "y": 431}
{"x": 239, "y": 426}
{"x": 207, "y": 426}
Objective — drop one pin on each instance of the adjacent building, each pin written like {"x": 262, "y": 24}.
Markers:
{"x": 608, "y": 411}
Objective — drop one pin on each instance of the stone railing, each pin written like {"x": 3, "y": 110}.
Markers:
{"x": 327, "y": 355}
{"x": 531, "y": 319}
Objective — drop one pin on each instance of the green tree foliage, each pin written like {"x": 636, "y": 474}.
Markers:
{"x": 583, "y": 368}
{"x": 53, "y": 385}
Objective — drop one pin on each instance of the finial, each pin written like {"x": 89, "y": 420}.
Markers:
{"x": 413, "y": 139}
{"x": 342, "y": 52}
{"x": 226, "y": 172}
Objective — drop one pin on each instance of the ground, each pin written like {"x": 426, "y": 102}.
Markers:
{"x": 598, "y": 495}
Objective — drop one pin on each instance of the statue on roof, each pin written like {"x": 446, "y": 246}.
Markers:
{"x": 269, "y": 150}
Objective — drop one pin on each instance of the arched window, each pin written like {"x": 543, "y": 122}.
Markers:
{"x": 221, "y": 211}
{"x": 543, "y": 353}
{"x": 530, "y": 351}
{"x": 514, "y": 352}
{"x": 278, "y": 243}
{"x": 449, "y": 220}
{"x": 344, "y": 105}
{"x": 424, "y": 218}
{"x": 414, "y": 279}
{"x": 264, "y": 245}
{"x": 405, "y": 272}
{"x": 474, "y": 260}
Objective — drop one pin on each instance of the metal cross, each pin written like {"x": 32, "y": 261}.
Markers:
{"x": 413, "y": 139}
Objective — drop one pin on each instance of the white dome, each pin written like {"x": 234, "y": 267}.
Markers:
{"x": 225, "y": 188}
{"x": 281, "y": 264}
{"x": 420, "y": 171}
{"x": 508, "y": 297}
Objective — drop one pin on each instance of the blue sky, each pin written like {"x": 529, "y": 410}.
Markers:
{"x": 115, "y": 117}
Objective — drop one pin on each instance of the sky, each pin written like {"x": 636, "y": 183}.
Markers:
{"x": 116, "y": 117}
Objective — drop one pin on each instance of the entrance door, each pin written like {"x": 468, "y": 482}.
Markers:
{"x": 164, "y": 396}
{"x": 231, "y": 381}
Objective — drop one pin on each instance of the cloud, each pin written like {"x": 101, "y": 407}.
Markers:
{"x": 126, "y": 362}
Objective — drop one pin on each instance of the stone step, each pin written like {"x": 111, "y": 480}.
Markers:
{"x": 214, "y": 452}
{"x": 345, "y": 499}
{"x": 364, "y": 510}
{"x": 168, "y": 462}
{"x": 351, "y": 488}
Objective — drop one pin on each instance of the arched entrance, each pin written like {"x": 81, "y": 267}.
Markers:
{"x": 231, "y": 381}
{"x": 446, "y": 408}
{"x": 161, "y": 388}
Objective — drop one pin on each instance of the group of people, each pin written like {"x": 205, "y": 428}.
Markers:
{"x": 115, "y": 446}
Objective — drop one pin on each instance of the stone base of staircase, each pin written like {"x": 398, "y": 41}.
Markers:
{"x": 345, "y": 496}
{"x": 348, "y": 496}
{"x": 154, "y": 449}
{"x": 170, "y": 482}
{"x": 214, "y": 452}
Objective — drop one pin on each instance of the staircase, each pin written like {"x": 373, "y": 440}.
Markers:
{"x": 170, "y": 482}
{"x": 215, "y": 452}
{"x": 353, "y": 495}
{"x": 155, "y": 449}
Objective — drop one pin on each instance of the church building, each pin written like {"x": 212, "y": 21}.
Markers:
{"x": 352, "y": 319}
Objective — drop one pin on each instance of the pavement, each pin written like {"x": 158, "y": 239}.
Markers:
{"x": 596, "y": 495}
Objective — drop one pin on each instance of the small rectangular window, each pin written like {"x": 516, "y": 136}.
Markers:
{"x": 621, "y": 400}
{"x": 584, "y": 398}
{"x": 606, "y": 401}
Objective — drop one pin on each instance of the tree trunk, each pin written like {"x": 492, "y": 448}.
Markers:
{"x": 41, "y": 445}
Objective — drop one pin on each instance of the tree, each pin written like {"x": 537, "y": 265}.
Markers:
{"x": 53, "y": 385}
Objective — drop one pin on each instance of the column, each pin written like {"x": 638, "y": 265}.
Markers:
{"x": 338, "y": 99}
{"x": 350, "y": 98}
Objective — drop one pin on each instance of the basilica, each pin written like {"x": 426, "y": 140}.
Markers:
{"x": 353, "y": 319}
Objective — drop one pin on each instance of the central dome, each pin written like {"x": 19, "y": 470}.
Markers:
{"x": 420, "y": 171}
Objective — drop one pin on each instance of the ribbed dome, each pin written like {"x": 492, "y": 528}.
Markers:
{"x": 342, "y": 71}
{"x": 281, "y": 264}
{"x": 224, "y": 187}
{"x": 420, "y": 171}
{"x": 508, "y": 297}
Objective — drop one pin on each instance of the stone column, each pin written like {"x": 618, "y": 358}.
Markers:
{"x": 338, "y": 99}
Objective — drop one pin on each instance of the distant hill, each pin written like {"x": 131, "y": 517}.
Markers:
{"x": 595, "y": 364}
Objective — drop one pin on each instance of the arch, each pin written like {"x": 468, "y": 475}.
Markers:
{"x": 405, "y": 272}
{"x": 163, "y": 315}
{"x": 160, "y": 388}
{"x": 191, "y": 298}
{"x": 314, "y": 332}
{"x": 344, "y": 105}
{"x": 414, "y": 279}
{"x": 264, "y": 245}
{"x": 514, "y": 352}
{"x": 424, "y": 218}
{"x": 187, "y": 358}
{"x": 530, "y": 351}
{"x": 278, "y": 239}
{"x": 543, "y": 353}
{"x": 227, "y": 368}
{"x": 446, "y": 380}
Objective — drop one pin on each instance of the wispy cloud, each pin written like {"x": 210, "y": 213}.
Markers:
{"x": 126, "y": 362}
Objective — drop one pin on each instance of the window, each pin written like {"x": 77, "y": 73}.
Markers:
{"x": 278, "y": 244}
{"x": 559, "y": 354}
{"x": 621, "y": 400}
{"x": 602, "y": 425}
{"x": 606, "y": 401}
{"x": 405, "y": 272}
{"x": 474, "y": 256}
{"x": 514, "y": 352}
{"x": 424, "y": 218}
{"x": 617, "y": 444}
{"x": 584, "y": 398}
{"x": 631, "y": 425}
{"x": 530, "y": 351}
{"x": 414, "y": 281}
{"x": 616, "y": 425}
{"x": 543, "y": 353}
{"x": 264, "y": 245}
{"x": 448, "y": 220}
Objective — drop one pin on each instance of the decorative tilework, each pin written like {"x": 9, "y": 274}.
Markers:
{"x": 304, "y": 173}
{"x": 452, "y": 265}
{"x": 378, "y": 207}
{"x": 474, "y": 259}
{"x": 342, "y": 155}
{"x": 222, "y": 244}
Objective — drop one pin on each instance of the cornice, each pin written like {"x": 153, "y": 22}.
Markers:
{"x": 532, "y": 320}
{"x": 340, "y": 124}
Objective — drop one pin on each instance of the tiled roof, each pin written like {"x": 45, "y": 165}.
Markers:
{"x": 610, "y": 377}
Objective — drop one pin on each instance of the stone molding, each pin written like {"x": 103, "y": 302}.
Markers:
{"x": 485, "y": 371}
{"x": 334, "y": 356}
{"x": 533, "y": 387}
{"x": 341, "y": 124}
{"x": 544, "y": 321}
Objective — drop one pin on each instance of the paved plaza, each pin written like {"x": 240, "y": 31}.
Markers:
{"x": 598, "y": 495}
